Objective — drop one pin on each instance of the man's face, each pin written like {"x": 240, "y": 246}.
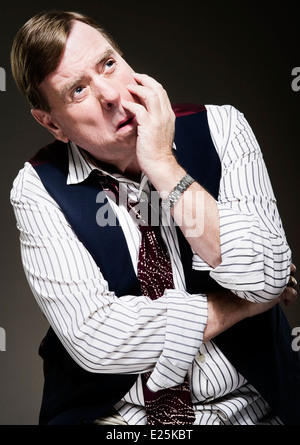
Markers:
{"x": 85, "y": 93}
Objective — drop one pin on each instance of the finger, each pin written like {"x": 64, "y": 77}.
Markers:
{"x": 144, "y": 79}
{"x": 148, "y": 97}
{"x": 138, "y": 110}
{"x": 292, "y": 282}
{"x": 147, "y": 81}
{"x": 289, "y": 296}
{"x": 293, "y": 269}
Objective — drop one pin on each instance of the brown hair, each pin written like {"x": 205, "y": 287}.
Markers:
{"x": 37, "y": 49}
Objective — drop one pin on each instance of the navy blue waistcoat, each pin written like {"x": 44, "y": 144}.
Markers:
{"x": 259, "y": 347}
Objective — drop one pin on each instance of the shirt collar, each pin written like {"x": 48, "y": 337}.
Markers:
{"x": 81, "y": 164}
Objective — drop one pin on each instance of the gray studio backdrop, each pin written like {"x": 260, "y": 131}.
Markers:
{"x": 220, "y": 52}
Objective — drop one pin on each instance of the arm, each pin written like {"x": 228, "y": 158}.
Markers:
{"x": 241, "y": 241}
{"x": 255, "y": 254}
{"x": 156, "y": 119}
{"x": 101, "y": 332}
{"x": 226, "y": 309}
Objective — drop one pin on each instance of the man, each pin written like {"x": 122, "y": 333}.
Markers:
{"x": 230, "y": 259}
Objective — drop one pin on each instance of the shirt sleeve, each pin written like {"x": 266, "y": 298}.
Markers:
{"x": 256, "y": 257}
{"x": 101, "y": 332}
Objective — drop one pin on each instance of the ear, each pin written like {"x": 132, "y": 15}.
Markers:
{"x": 44, "y": 118}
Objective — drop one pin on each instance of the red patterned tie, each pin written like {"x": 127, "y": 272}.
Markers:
{"x": 171, "y": 406}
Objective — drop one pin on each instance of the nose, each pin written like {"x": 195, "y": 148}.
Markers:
{"x": 107, "y": 92}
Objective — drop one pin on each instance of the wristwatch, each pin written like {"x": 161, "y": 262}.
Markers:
{"x": 178, "y": 190}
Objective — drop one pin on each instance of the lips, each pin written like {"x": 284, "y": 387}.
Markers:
{"x": 124, "y": 122}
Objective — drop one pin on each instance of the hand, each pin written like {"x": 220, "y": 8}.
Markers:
{"x": 155, "y": 123}
{"x": 289, "y": 295}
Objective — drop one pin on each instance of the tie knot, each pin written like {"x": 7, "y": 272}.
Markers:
{"x": 109, "y": 183}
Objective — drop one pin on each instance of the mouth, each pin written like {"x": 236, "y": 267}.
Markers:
{"x": 125, "y": 122}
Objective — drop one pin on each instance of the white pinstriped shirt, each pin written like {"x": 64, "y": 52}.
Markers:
{"x": 130, "y": 334}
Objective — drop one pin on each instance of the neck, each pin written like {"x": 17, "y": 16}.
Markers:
{"x": 130, "y": 171}
{"x": 133, "y": 172}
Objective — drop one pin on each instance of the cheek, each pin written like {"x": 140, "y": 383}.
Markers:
{"x": 84, "y": 114}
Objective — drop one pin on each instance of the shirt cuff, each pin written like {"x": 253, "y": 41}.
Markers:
{"x": 186, "y": 322}
{"x": 248, "y": 253}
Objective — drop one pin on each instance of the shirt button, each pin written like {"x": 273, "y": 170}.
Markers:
{"x": 201, "y": 358}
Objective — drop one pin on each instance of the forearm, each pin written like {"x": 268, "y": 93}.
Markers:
{"x": 195, "y": 212}
{"x": 226, "y": 309}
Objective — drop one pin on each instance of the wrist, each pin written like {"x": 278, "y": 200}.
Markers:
{"x": 165, "y": 175}
{"x": 177, "y": 191}
{"x": 224, "y": 310}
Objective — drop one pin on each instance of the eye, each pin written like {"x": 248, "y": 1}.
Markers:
{"x": 78, "y": 90}
{"x": 78, "y": 93}
{"x": 109, "y": 64}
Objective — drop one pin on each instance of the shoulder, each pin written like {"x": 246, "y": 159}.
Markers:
{"x": 222, "y": 114}
{"x": 223, "y": 121}
{"x": 52, "y": 153}
{"x": 27, "y": 183}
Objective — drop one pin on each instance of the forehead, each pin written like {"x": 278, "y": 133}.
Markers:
{"x": 83, "y": 41}
{"x": 84, "y": 46}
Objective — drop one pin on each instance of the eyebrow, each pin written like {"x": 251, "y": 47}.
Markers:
{"x": 75, "y": 82}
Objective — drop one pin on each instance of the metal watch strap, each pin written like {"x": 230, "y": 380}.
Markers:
{"x": 175, "y": 194}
